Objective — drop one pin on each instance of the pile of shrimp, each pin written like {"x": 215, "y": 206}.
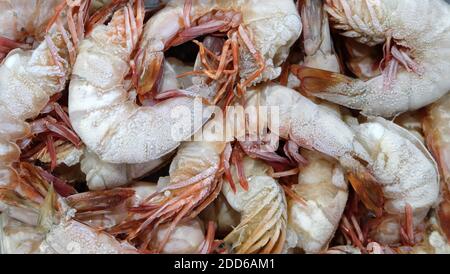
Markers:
{"x": 213, "y": 126}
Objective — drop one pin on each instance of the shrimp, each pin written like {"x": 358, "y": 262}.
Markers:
{"x": 193, "y": 183}
{"x": 387, "y": 166}
{"x": 67, "y": 235}
{"x": 260, "y": 32}
{"x": 98, "y": 92}
{"x": 415, "y": 62}
{"x": 436, "y": 128}
{"x": 407, "y": 174}
{"x": 116, "y": 209}
{"x": 263, "y": 209}
{"x": 28, "y": 79}
{"x": 323, "y": 187}
{"x": 103, "y": 175}
{"x": 312, "y": 126}
{"x": 50, "y": 227}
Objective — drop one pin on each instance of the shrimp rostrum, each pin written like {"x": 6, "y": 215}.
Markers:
{"x": 415, "y": 38}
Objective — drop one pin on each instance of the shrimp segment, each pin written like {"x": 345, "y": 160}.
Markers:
{"x": 323, "y": 185}
{"x": 406, "y": 172}
{"x": 28, "y": 79}
{"x": 263, "y": 209}
{"x": 415, "y": 61}
{"x": 108, "y": 122}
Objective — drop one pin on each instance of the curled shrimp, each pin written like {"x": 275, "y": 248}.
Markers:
{"x": 104, "y": 175}
{"x": 436, "y": 124}
{"x": 106, "y": 119}
{"x": 408, "y": 175}
{"x": 323, "y": 188}
{"x": 263, "y": 209}
{"x": 387, "y": 166}
{"x": 28, "y": 79}
{"x": 414, "y": 65}
{"x": 193, "y": 183}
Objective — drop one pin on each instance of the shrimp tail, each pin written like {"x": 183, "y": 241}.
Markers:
{"x": 317, "y": 80}
{"x": 366, "y": 187}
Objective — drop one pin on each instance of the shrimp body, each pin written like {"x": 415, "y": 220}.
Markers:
{"x": 108, "y": 122}
{"x": 416, "y": 38}
{"x": 263, "y": 209}
{"x": 324, "y": 188}
{"x": 28, "y": 78}
{"x": 404, "y": 169}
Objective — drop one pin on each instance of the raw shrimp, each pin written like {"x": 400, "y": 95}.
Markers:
{"x": 49, "y": 226}
{"x": 416, "y": 37}
{"x": 436, "y": 129}
{"x": 116, "y": 209}
{"x": 262, "y": 32}
{"x": 103, "y": 175}
{"x": 27, "y": 81}
{"x": 67, "y": 235}
{"x": 323, "y": 187}
{"x": 263, "y": 209}
{"x": 193, "y": 183}
{"x": 110, "y": 123}
{"x": 407, "y": 174}
{"x": 389, "y": 161}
